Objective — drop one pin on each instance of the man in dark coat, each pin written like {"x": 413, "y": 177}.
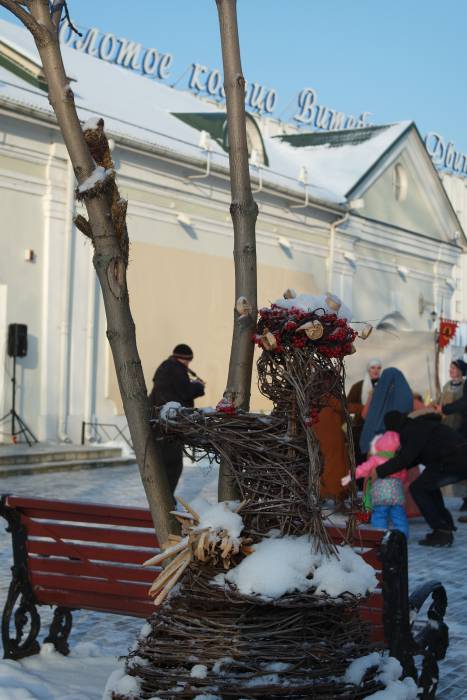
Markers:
{"x": 443, "y": 451}
{"x": 172, "y": 383}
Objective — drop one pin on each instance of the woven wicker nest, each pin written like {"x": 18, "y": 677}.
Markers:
{"x": 239, "y": 640}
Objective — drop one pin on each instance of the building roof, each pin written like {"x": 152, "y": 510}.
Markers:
{"x": 328, "y": 164}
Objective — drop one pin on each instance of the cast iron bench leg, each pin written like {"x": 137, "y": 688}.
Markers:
{"x": 25, "y": 614}
{"x": 60, "y": 629}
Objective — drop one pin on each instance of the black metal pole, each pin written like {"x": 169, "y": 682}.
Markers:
{"x": 13, "y": 409}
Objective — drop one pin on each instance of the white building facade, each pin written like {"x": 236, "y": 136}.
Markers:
{"x": 360, "y": 211}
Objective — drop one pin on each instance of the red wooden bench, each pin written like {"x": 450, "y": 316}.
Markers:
{"x": 73, "y": 556}
{"x": 88, "y": 556}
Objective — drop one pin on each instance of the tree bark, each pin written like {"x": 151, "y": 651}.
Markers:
{"x": 244, "y": 212}
{"x": 110, "y": 263}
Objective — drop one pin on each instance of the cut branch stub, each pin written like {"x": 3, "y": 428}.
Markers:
{"x": 116, "y": 277}
{"x": 83, "y": 225}
{"x": 243, "y": 306}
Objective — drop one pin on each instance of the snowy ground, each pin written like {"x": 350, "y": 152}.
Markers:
{"x": 97, "y": 640}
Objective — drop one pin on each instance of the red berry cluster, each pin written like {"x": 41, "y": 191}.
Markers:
{"x": 336, "y": 340}
{"x": 225, "y": 406}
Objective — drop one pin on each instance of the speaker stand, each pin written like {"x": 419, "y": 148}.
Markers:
{"x": 18, "y": 425}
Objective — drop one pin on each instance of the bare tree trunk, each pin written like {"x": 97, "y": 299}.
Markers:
{"x": 110, "y": 261}
{"x": 244, "y": 212}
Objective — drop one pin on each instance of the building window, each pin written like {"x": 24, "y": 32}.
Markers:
{"x": 400, "y": 183}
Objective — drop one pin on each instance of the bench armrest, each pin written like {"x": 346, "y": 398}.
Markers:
{"x": 433, "y": 637}
{"x": 421, "y": 593}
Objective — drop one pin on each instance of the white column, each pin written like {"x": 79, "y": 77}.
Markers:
{"x": 52, "y": 291}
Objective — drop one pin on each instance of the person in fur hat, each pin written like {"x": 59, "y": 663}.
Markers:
{"x": 357, "y": 398}
{"x": 387, "y": 495}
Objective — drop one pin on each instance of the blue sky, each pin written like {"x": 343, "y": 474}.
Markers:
{"x": 398, "y": 59}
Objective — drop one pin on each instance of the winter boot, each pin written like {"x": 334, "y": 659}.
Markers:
{"x": 438, "y": 538}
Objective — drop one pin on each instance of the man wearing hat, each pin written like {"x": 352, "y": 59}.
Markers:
{"x": 171, "y": 382}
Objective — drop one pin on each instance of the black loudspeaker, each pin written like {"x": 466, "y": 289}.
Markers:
{"x": 17, "y": 340}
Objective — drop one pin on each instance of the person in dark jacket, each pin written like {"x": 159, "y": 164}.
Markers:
{"x": 171, "y": 382}
{"x": 426, "y": 440}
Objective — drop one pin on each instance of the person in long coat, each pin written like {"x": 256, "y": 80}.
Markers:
{"x": 334, "y": 449}
{"x": 171, "y": 382}
{"x": 357, "y": 398}
{"x": 392, "y": 393}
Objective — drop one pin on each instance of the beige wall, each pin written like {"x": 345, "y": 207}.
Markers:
{"x": 411, "y": 352}
{"x": 178, "y": 296}
{"x": 415, "y": 213}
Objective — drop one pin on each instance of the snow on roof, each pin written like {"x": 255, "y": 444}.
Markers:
{"x": 143, "y": 110}
{"x": 342, "y": 157}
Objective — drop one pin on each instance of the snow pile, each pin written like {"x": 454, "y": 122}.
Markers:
{"x": 309, "y": 303}
{"x": 348, "y": 573}
{"x": 389, "y": 671}
{"x": 120, "y": 682}
{"x": 199, "y": 671}
{"x": 51, "y": 676}
{"x": 286, "y": 564}
{"x": 219, "y": 517}
{"x": 91, "y": 124}
{"x": 169, "y": 410}
{"x": 99, "y": 174}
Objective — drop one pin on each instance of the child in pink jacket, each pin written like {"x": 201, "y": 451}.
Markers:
{"x": 387, "y": 495}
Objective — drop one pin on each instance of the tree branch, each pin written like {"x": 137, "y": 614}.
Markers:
{"x": 57, "y": 9}
{"x": 24, "y": 16}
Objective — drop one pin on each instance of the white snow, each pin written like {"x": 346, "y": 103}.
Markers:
{"x": 389, "y": 671}
{"x": 199, "y": 671}
{"x": 219, "y": 516}
{"x": 98, "y": 175}
{"x": 357, "y": 669}
{"x": 169, "y": 410}
{"x": 91, "y": 123}
{"x": 51, "y": 676}
{"x": 285, "y": 564}
{"x": 312, "y": 302}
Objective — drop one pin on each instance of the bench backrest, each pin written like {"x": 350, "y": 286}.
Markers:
{"x": 89, "y": 555}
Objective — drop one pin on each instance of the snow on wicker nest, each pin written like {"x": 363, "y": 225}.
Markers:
{"x": 219, "y": 516}
{"x": 388, "y": 673}
{"x": 283, "y": 565}
{"x": 317, "y": 302}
